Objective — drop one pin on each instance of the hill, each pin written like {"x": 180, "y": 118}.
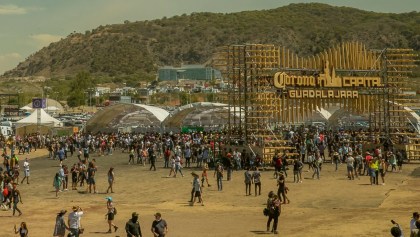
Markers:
{"x": 139, "y": 48}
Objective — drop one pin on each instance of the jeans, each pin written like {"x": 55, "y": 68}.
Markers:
{"x": 74, "y": 232}
{"x": 178, "y": 168}
{"x": 15, "y": 208}
{"x": 219, "y": 183}
{"x": 276, "y": 220}
{"x": 316, "y": 172}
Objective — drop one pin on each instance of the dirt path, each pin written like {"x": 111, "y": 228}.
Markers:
{"x": 331, "y": 206}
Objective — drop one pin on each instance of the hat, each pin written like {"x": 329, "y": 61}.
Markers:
{"x": 367, "y": 153}
{"x": 395, "y": 231}
{"x": 158, "y": 214}
{"x": 134, "y": 214}
{"x": 194, "y": 174}
{"x": 109, "y": 198}
{"x": 62, "y": 212}
{"x": 75, "y": 208}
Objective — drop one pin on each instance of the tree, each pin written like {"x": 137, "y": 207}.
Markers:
{"x": 78, "y": 87}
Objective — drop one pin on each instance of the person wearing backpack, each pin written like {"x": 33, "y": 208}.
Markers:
{"x": 274, "y": 210}
{"x": 110, "y": 215}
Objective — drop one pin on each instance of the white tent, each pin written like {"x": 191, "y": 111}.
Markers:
{"x": 159, "y": 113}
{"x": 46, "y": 120}
{"x": 27, "y": 108}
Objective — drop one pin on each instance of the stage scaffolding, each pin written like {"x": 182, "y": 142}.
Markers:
{"x": 258, "y": 107}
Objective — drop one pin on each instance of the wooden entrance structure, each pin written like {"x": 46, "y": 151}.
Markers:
{"x": 272, "y": 86}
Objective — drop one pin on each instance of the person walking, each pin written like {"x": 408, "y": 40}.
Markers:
{"x": 413, "y": 228}
{"x": 167, "y": 155}
{"x": 74, "y": 221}
{"x": 110, "y": 215}
{"x": 172, "y": 167}
{"x": 60, "y": 225}
{"x": 91, "y": 177}
{"x": 16, "y": 198}
{"x": 204, "y": 176}
{"x": 382, "y": 170}
{"x": 132, "y": 227}
{"x": 111, "y": 180}
{"x": 350, "y": 166}
{"x": 152, "y": 159}
{"x": 256, "y": 178}
{"x": 274, "y": 210}
{"x": 57, "y": 183}
{"x": 26, "y": 171}
{"x": 196, "y": 189}
{"x": 178, "y": 166}
{"x": 317, "y": 167}
{"x": 247, "y": 181}
{"x": 281, "y": 191}
{"x": 219, "y": 172}
{"x": 159, "y": 226}
{"x": 23, "y": 230}
{"x": 297, "y": 167}
{"x": 131, "y": 156}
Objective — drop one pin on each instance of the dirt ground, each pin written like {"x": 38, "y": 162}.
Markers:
{"x": 331, "y": 206}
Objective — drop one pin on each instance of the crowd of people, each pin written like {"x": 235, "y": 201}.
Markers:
{"x": 203, "y": 150}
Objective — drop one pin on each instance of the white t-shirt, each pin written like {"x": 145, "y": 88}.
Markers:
{"x": 413, "y": 224}
{"x": 350, "y": 161}
{"x": 26, "y": 165}
{"x": 74, "y": 219}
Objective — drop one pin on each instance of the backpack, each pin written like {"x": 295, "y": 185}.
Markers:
{"x": 115, "y": 211}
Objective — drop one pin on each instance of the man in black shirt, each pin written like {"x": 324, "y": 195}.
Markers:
{"x": 132, "y": 227}
{"x": 159, "y": 226}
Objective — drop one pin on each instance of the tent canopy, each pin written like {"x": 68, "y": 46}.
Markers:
{"x": 159, "y": 113}
{"x": 46, "y": 119}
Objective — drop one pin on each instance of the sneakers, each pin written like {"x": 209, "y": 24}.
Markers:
{"x": 115, "y": 228}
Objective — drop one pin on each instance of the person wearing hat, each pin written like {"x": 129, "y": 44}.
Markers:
{"x": 396, "y": 230}
{"x": 132, "y": 227}
{"x": 110, "y": 214}
{"x": 196, "y": 189}
{"x": 74, "y": 221}
{"x": 26, "y": 169}
{"x": 218, "y": 173}
{"x": 159, "y": 226}
{"x": 60, "y": 225}
{"x": 413, "y": 228}
{"x": 392, "y": 161}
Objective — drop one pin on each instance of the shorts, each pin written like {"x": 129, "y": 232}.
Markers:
{"x": 91, "y": 181}
{"x": 110, "y": 216}
{"x": 86, "y": 156}
{"x": 27, "y": 173}
{"x": 350, "y": 168}
{"x": 382, "y": 172}
{"x": 197, "y": 194}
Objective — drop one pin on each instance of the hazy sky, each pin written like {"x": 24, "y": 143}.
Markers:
{"x": 28, "y": 25}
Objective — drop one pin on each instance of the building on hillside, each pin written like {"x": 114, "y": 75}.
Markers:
{"x": 126, "y": 90}
{"x": 115, "y": 98}
{"x": 102, "y": 90}
{"x": 191, "y": 72}
{"x": 144, "y": 95}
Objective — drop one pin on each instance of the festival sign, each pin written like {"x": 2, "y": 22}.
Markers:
{"x": 324, "y": 85}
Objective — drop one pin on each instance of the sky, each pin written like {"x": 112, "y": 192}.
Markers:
{"x": 27, "y": 26}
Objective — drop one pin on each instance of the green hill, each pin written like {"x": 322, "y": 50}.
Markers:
{"x": 139, "y": 48}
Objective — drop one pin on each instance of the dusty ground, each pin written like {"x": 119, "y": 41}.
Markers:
{"x": 331, "y": 206}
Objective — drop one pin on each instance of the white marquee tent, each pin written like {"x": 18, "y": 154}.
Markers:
{"x": 46, "y": 120}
